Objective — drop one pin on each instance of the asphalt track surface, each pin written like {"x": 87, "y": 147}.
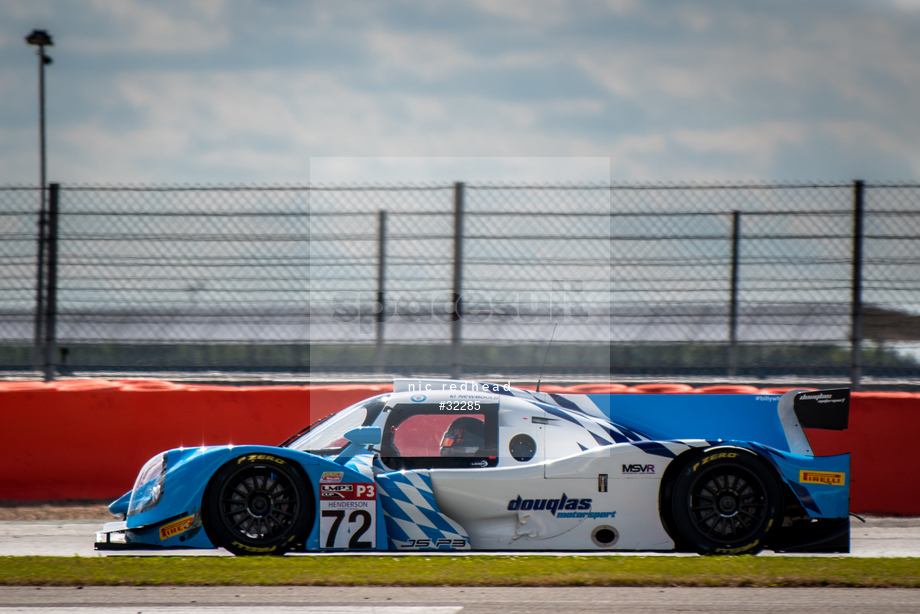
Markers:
{"x": 360, "y": 600}
{"x": 878, "y": 537}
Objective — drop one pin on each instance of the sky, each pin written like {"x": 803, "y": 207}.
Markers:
{"x": 292, "y": 91}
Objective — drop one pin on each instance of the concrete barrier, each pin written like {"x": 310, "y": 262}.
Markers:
{"x": 88, "y": 439}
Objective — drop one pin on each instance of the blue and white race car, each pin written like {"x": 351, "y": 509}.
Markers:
{"x": 452, "y": 465}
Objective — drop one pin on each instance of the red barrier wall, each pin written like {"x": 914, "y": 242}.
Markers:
{"x": 881, "y": 440}
{"x": 88, "y": 439}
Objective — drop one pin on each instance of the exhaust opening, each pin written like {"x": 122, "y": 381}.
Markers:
{"x": 605, "y": 536}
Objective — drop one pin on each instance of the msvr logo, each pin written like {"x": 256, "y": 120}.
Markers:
{"x": 638, "y": 468}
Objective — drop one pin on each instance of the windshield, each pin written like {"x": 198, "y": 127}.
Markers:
{"x": 328, "y": 437}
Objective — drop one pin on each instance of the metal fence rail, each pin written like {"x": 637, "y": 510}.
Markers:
{"x": 744, "y": 280}
{"x": 18, "y": 255}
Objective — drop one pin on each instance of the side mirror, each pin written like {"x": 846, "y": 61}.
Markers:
{"x": 365, "y": 435}
{"x": 358, "y": 438}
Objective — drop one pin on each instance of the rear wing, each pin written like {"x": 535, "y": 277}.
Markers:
{"x": 823, "y": 409}
{"x": 810, "y": 409}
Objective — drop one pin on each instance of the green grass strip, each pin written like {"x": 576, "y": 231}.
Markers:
{"x": 460, "y": 571}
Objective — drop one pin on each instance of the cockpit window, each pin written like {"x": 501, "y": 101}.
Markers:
{"x": 328, "y": 437}
{"x": 424, "y": 436}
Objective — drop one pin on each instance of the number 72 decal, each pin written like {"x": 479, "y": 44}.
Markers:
{"x": 348, "y": 517}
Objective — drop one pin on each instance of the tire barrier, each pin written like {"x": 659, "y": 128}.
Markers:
{"x": 87, "y": 439}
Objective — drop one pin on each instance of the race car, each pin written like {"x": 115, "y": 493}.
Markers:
{"x": 443, "y": 465}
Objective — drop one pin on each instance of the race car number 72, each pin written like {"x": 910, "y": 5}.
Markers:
{"x": 355, "y": 542}
{"x": 348, "y": 516}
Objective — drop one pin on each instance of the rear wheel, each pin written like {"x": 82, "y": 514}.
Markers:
{"x": 727, "y": 502}
{"x": 259, "y": 504}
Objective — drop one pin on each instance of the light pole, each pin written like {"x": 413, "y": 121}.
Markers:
{"x": 41, "y": 39}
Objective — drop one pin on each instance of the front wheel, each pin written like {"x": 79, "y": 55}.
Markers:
{"x": 727, "y": 502}
{"x": 259, "y": 504}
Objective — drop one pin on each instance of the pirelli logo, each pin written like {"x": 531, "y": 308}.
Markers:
{"x": 830, "y": 478}
{"x": 175, "y": 528}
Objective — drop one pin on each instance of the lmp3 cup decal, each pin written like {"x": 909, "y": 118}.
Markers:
{"x": 335, "y": 491}
{"x": 348, "y": 491}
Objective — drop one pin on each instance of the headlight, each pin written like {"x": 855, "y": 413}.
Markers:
{"x": 148, "y": 489}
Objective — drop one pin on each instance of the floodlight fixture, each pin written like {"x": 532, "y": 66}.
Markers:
{"x": 40, "y": 38}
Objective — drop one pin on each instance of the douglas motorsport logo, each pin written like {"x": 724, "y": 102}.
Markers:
{"x": 560, "y": 508}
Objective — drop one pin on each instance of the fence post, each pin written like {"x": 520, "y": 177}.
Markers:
{"x": 733, "y": 305}
{"x": 856, "y": 312}
{"x": 381, "y": 280}
{"x": 51, "y": 303}
{"x": 38, "y": 356}
{"x": 456, "y": 348}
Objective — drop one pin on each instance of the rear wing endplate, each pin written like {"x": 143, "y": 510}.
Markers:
{"x": 812, "y": 409}
{"x": 823, "y": 409}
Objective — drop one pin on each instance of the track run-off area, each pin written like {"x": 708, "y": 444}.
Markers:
{"x": 453, "y": 600}
{"x": 877, "y": 537}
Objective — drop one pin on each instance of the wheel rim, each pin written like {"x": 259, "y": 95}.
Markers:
{"x": 259, "y": 503}
{"x": 728, "y": 504}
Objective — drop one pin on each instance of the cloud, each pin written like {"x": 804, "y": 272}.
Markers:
{"x": 524, "y": 10}
{"x": 757, "y": 142}
{"x": 210, "y": 91}
{"x": 695, "y": 18}
{"x": 428, "y": 56}
{"x": 27, "y": 10}
{"x": 906, "y": 5}
{"x": 874, "y": 140}
{"x": 744, "y": 53}
{"x": 551, "y": 12}
{"x": 19, "y": 156}
{"x": 108, "y": 156}
{"x": 445, "y": 170}
{"x": 134, "y": 25}
{"x": 308, "y": 109}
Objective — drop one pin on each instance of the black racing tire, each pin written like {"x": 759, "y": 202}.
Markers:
{"x": 259, "y": 504}
{"x": 727, "y": 501}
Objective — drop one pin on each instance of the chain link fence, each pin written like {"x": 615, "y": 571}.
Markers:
{"x": 746, "y": 281}
{"x": 18, "y": 284}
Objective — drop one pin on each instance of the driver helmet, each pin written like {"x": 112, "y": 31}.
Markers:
{"x": 464, "y": 437}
